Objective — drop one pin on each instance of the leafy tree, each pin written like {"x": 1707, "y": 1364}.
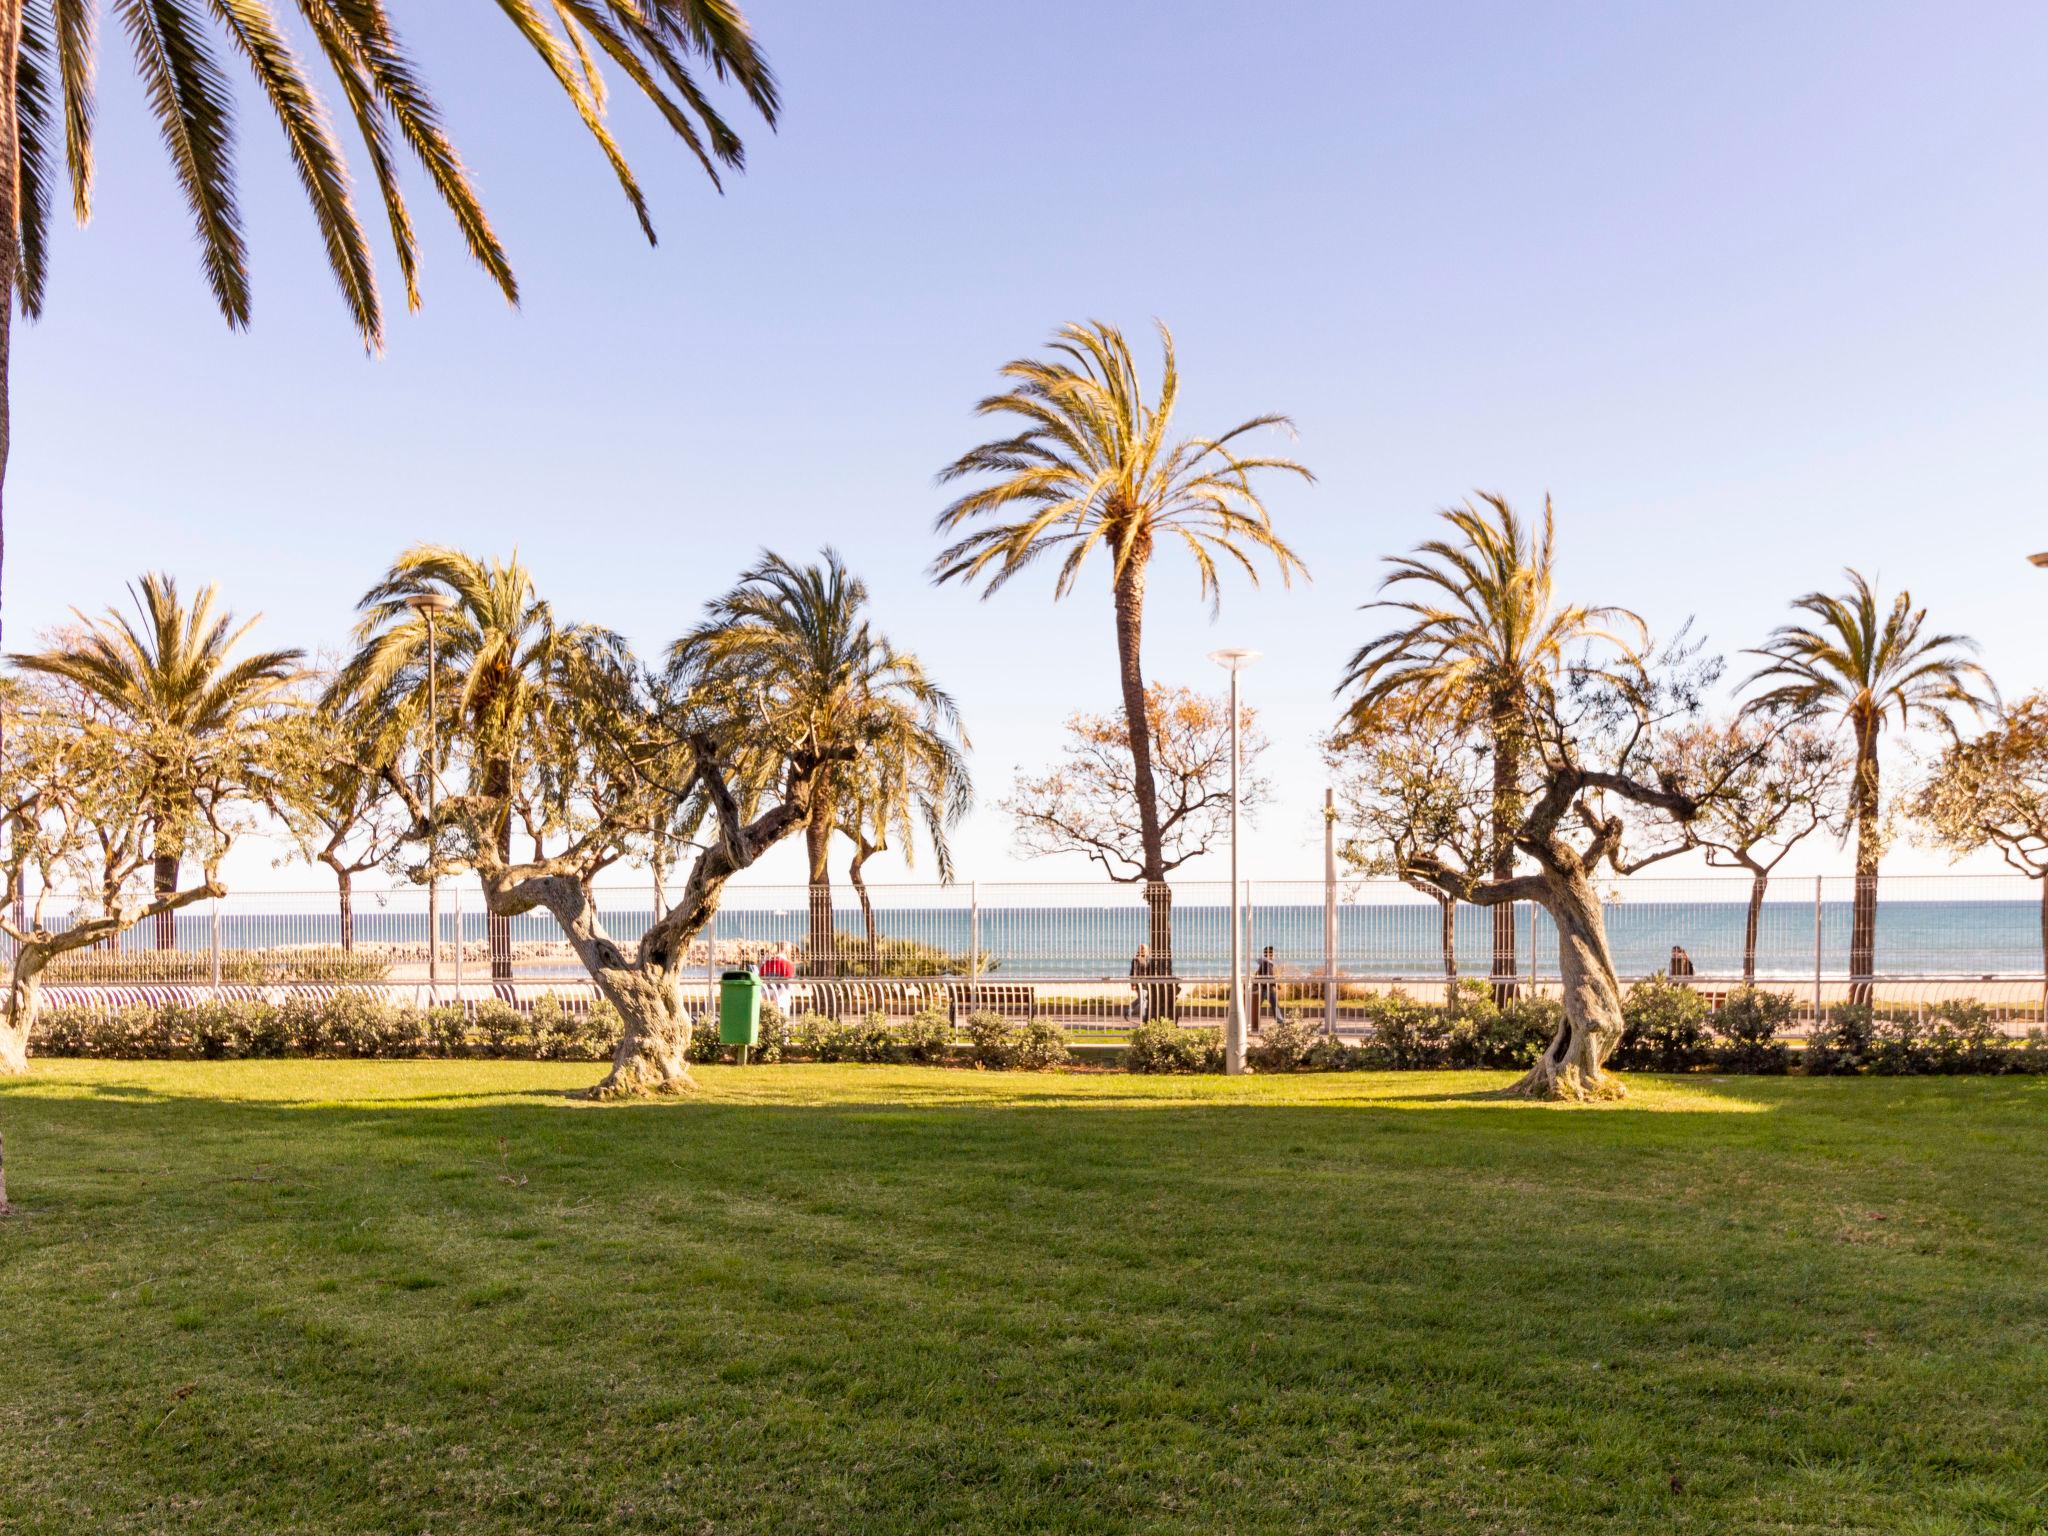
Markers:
{"x": 180, "y": 50}
{"x": 796, "y": 644}
{"x": 332, "y": 793}
{"x": 1482, "y": 644}
{"x": 1786, "y": 781}
{"x": 1082, "y": 804}
{"x": 1992, "y": 792}
{"x": 1415, "y": 782}
{"x": 505, "y": 665}
{"x": 1869, "y": 666}
{"x": 903, "y": 782}
{"x": 1093, "y": 465}
{"x": 1589, "y": 798}
{"x": 174, "y": 679}
{"x": 81, "y": 795}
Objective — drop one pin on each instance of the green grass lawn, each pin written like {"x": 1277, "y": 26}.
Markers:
{"x": 440, "y": 1298}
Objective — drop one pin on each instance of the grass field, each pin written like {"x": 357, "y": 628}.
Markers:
{"x": 439, "y": 1298}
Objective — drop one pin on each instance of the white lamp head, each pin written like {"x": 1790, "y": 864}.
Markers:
{"x": 427, "y": 604}
{"x": 1234, "y": 659}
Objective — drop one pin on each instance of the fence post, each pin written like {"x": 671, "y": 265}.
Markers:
{"x": 973, "y": 932}
{"x": 456, "y": 891}
{"x": 1816, "y": 951}
{"x": 1330, "y": 913}
{"x": 215, "y": 903}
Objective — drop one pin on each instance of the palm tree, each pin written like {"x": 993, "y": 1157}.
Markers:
{"x": 47, "y": 67}
{"x": 1482, "y": 645}
{"x": 503, "y": 664}
{"x": 1868, "y": 665}
{"x": 173, "y": 675}
{"x": 1091, "y": 465}
{"x": 795, "y": 646}
{"x": 911, "y": 777}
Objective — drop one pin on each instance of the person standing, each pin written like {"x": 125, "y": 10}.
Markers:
{"x": 1681, "y": 962}
{"x": 1266, "y": 987}
{"x": 1141, "y": 966}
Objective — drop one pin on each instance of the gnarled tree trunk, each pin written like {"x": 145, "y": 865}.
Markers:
{"x": 1573, "y": 1065}
{"x": 24, "y": 1003}
{"x": 863, "y": 851}
{"x": 653, "y": 1053}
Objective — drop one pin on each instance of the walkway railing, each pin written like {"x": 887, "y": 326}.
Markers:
{"x": 1068, "y": 950}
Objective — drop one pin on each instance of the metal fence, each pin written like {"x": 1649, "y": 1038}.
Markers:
{"x": 1067, "y": 950}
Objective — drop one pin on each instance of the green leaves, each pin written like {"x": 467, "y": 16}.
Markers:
{"x": 177, "y": 45}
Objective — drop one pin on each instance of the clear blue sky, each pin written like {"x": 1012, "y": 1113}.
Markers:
{"x": 1753, "y": 290}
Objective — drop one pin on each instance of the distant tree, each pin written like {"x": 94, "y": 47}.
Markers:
{"x": 798, "y": 643}
{"x": 1992, "y": 792}
{"x": 1785, "y": 782}
{"x": 332, "y": 792}
{"x": 1082, "y": 803}
{"x": 1415, "y": 783}
{"x": 173, "y": 678}
{"x": 1093, "y": 465}
{"x": 903, "y": 782}
{"x": 506, "y": 668}
{"x": 47, "y": 71}
{"x": 1482, "y": 642}
{"x": 80, "y": 793}
{"x": 1868, "y": 666}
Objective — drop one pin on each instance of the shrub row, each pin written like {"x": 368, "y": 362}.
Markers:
{"x": 1669, "y": 1028}
{"x": 350, "y": 1024}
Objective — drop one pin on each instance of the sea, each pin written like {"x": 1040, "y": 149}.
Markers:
{"x": 1956, "y": 939}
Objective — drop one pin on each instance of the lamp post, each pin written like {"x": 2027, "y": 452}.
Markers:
{"x": 430, "y": 606}
{"x": 1235, "y": 661}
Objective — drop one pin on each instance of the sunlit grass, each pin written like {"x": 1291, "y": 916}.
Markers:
{"x": 336, "y": 1296}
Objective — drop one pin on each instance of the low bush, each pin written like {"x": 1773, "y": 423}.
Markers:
{"x": 1748, "y": 1025}
{"x": 1845, "y": 1043}
{"x": 1664, "y": 1027}
{"x": 928, "y": 1037}
{"x": 1160, "y": 1045}
{"x": 994, "y": 1041}
{"x": 1284, "y": 1045}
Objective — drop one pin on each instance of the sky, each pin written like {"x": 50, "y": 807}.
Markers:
{"x": 1753, "y": 291}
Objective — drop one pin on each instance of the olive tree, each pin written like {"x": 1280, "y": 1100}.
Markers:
{"x": 1992, "y": 792}
{"x": 1407, "y": 779}
{"x": 1593, "y": 796}
{"x": 602, "y": 750}
{"x": 81, "y": 795}
{"x": 1785, "y": 781}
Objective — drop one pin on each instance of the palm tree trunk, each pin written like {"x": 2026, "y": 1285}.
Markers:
{"x": 1448, "y": 938}
{"x": 165, "y": 883}
{"x": 1863, "y": 921}
{"x": 1758, "y": 880}
{"x": 10, "y": 225}
{"x": 497, "y": 925}
{"x": 1130, "y": 630}
{"x": 1507, "y": 770}
{"x": 823, "y": 947}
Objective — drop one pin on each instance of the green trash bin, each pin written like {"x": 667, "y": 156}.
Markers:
{"x": 739, "y": 1008}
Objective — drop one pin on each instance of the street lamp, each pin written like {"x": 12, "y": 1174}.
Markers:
{"x": 430, "y": 606}
{"x": 1235, "y": 661}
